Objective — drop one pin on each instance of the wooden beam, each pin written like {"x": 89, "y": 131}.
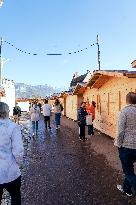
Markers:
{"x": 131, "y": 75}
{"x": 108, "y": 103}
{"x": 100, "y": 81}
{"x": 100, "y": 103}
{"x": 119, "y": 100}
{"x": 112, "y": 73}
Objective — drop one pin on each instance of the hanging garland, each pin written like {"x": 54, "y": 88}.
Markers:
{"x": 49, "y": 54}
{"x": 20, "y": 49}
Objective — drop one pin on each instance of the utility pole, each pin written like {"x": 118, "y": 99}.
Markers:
{"x": 1, "y": 40}
{"x": 99, "y": 65}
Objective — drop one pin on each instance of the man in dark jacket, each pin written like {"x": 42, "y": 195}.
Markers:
{"x": 82, "y": 121}
{"x": 16, "y": 113}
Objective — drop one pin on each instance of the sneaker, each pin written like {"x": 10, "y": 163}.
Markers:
{"x": 120, "y": 188}
{"x": 58, "y": 126}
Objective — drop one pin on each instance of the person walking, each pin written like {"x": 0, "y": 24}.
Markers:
{"x": 46, "y": 113}
{"x": 40, "y": 106}
{"x": 82, "y": 121}
{"x": 35, "y": 116}
{"x": 11, "y": 156}
{"x": 58, "y": 108}
{"x": 91, "y": 111}
{"x": 16, "y": 113}
{"x": 126, "y": 143}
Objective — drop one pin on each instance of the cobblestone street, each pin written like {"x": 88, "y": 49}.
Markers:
{"x": 61, "y": 170}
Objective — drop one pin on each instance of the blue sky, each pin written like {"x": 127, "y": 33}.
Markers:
{"x": 64, "y": 26}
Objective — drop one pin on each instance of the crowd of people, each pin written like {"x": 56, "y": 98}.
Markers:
{"x": 11, "y": 145}
{"x": 46, "y": 109}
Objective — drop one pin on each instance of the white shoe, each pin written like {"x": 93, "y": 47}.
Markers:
{"x": 58, "y": 126}
{"x": 120, "y": 188}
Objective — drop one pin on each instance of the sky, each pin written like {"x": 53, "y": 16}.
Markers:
{"x": 64, "y": 26}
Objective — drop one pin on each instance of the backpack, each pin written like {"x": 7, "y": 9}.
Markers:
{"x": 61, "y": 107}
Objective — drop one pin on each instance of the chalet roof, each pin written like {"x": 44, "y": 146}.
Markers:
{"x": 22, "y": 100}
{"x": 78, "y": 79}
{"x": 63, "y": 94}
{"x": 100, "y": 77}
{"x": 79, "y": 89}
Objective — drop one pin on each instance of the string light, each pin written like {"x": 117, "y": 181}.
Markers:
{"x": 49, "y": 54}
{"x": 20, "y": 49}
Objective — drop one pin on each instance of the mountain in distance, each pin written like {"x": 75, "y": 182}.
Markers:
{"x": 34, "y": 91}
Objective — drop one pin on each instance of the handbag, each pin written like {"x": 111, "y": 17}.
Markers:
{"x": 89, "y": 119}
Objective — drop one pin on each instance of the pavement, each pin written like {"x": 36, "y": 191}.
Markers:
{"x": 59, "y": 169}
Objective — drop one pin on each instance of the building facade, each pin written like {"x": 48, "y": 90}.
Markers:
{"x": 9, "y": 96}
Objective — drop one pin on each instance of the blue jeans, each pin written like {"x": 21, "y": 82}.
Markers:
{"x": 90, "y": 130}
{"x": 34, "y": 126}
{"x": 57, "y": 118}
{"x": 128, "y": 158}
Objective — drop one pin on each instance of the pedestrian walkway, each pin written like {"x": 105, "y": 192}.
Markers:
{"x": 63, "y": 170}
{"x": 100, "y": 143}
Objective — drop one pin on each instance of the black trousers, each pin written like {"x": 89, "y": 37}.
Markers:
{"x": 47, "y": 121}
{"x": 14, "y": 190}
{"x": 82, "y": 131}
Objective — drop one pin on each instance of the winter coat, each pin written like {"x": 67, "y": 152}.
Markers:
{"x": 57, "y": 108}
{"x": 11, "y": 151}
{"x": 91, "y": 110}
{"x": 35, "y": 113}
{"x": 126, "y": 128}
{"x": 82, "y": 116}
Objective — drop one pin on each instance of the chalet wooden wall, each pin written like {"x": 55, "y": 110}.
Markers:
{"x": 73, "y": 102}
{"x": 110, "y": 98}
